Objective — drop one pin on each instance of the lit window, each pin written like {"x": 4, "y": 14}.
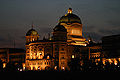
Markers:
{"x": 89, "y": 40}
{"x": 21, "y": 70}
{"x": 48, "y": 57}
{"x": 55, "y": 68}
{"x": 115, "y": 62}
{"x": 40, "y": 53}
{"x": 63, "y": 68}
{"x": 4, "y": 65}
{"x": 73, "y": 56}
{"x": 24, "y": 68}
{"x": 75, "y": 31}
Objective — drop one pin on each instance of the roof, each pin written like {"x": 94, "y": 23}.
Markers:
{"x": 60, "y": 28}
{"x": 12, "y": 50}
{"x": 70, "y": 18}
{"x": 32, "y": 32}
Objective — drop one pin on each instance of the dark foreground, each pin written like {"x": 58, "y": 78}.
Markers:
{"x": 57, "y": 75}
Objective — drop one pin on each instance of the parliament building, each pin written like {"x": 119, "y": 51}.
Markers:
{"x": 65, "y": 49}
{"x": 55, "y": 52}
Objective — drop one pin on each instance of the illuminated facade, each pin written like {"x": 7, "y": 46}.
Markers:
{"x": 73, "y": 25}
{"x": 47, "y": 54}
{"x": 65, "y": 44}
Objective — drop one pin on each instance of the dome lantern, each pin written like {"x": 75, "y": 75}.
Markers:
{"x": 70, "y": 10}
{"x": 70, "y": 18}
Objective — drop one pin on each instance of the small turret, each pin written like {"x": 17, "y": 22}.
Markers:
{"x": 70, "y": 10}
{"x": 32, "y": 35}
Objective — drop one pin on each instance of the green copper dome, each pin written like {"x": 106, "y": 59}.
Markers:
{"x": 32, "y": 32}
{"x": 70, "y": 18}
{"x": 60, "y": 28}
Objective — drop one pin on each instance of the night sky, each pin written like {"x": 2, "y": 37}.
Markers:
{"x": 99, "y": 18}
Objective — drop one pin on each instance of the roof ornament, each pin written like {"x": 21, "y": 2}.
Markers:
{"x": 70, "y": 10}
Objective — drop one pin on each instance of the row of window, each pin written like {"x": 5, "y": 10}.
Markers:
{"x": 34, "y": 49}
{"x": 95, "y": 55}
{"x": 41, "y": 57}
{"x": 40, "y": 63}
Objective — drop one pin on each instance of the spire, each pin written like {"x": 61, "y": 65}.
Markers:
{"x": 70, "y": 10}
{"x": 32, "y": 25}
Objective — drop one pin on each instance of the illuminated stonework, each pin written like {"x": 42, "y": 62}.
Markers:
{"x": 73, "y": 25}
{"x": 48, "y": 54}
{"x": 42, "y": 55}
{"x": 65, "y": 44}
{"x": 32, "y": 35}
{"x": 55, "y": 53}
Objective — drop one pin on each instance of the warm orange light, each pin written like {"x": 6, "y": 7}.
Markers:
{"x": 40, "y": 53}
{"x": 89, "y": 40}
{"x": 85, "y": 44}
{"x": 21, "y": 70}
{"x": 34, "y": 57}
{"x": 115, "y": 62}
{"x": 103, "y": 62}
{"x": 70, "y": 10}
{"x": 4, "y": 65}
{"x": 55, "y": 68}
{"x": 63, "y": 68}
{"x": 73, "y": 56}
{"x": 23, "y": 66}
{"x": 119, "y": 59}
{"x": 48, "y": 57}
{"x": 110, "y": 61}
{"x": 33, "y": 39}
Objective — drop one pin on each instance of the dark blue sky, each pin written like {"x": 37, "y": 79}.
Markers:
{"x": 99, "y": 18}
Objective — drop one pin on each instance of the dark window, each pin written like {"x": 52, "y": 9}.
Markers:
{"x": 62, "y": 49}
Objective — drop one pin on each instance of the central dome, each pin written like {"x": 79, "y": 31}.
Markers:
{"x": 60, "y": 28}
{"x": 70, "y": 18}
